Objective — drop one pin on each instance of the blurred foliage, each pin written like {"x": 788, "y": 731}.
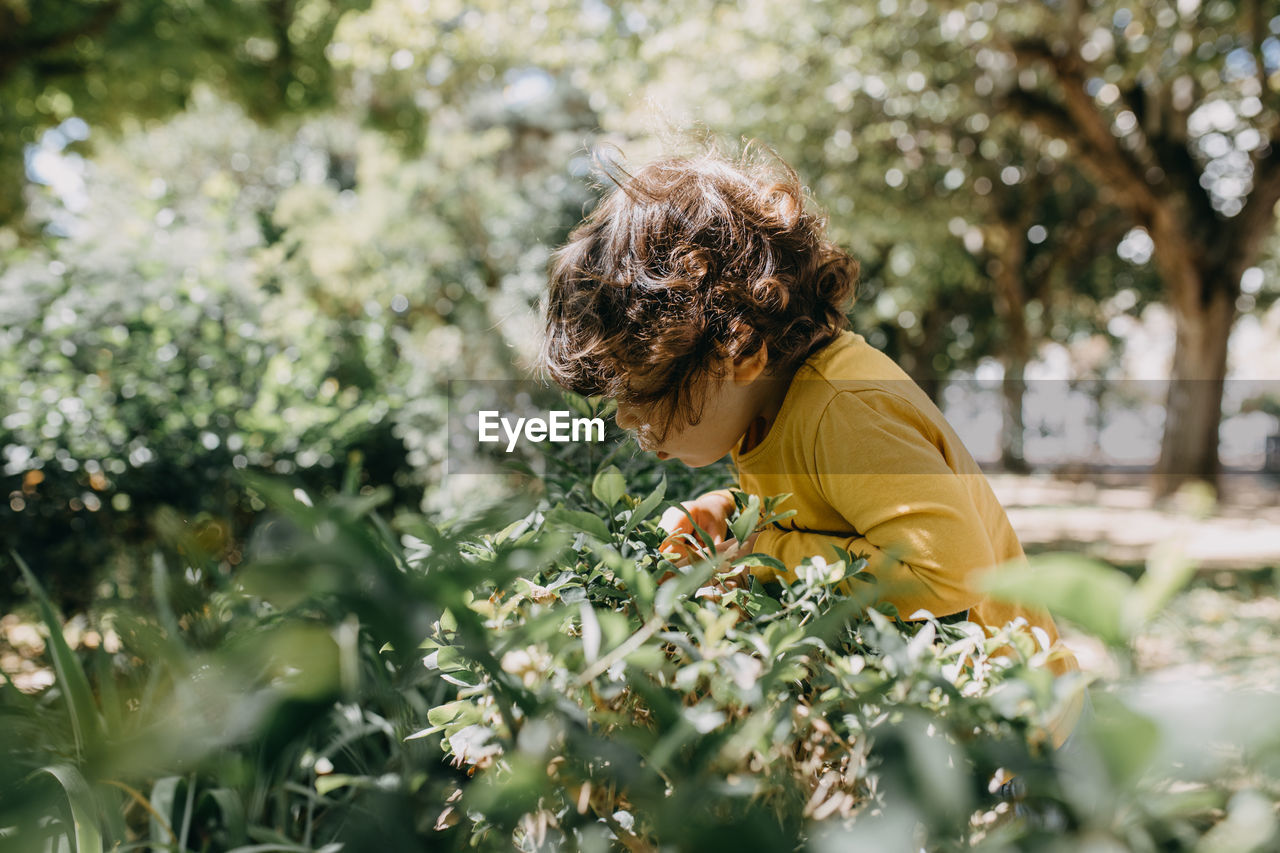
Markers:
{"x": 114, "y": 62}
{"x": 146, "y": 362}
{"x": 291, "y": 294}
{"x": 350, "y": 204}
{"x": 250, "y": 300}
{"x": 581, "y": 705}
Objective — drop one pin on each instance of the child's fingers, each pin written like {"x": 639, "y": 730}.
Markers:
{"x": 682, "y": 542}
{"x": 677, "y": 548}
{"x": 680, "y": 519}
{"x": 682, "y": 550}
{"x": 732, "y": 549}
{"x": 675, "y": 521}
{"x": 678, "y": 528}
{"x": 711, "y": 522}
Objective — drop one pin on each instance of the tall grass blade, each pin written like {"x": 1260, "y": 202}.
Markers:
{"x": 286, "y": 848}
{"x": 108, "y": 693}
{"x": 85, "y": 835}
{"x": 228, "y": 803}
{"x": 164, "y": 796}
{"x": 86, "y": 723}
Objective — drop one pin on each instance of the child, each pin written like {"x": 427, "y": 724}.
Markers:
{"x": 703, "y": 295}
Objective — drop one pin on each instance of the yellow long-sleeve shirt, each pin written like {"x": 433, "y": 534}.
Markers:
{"x": 872, "y": 466}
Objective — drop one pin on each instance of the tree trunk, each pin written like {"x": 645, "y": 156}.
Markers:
{"x": 1193, "y": 407}
{"x": 1012, "y": 457}
{"x": 917, "y": 360}
{"x": 1199, "y": 253}
{"x": 1011, "y": 308}
{"x": 929, "y": 378}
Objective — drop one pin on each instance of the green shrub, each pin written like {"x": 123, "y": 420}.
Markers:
{"x": 523, "y": 680}
{"x": 243, "y": 298}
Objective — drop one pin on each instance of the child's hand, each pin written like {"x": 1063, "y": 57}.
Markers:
{"x": 736, "y": 578}
{"x": 711, "y": 512}
{"x": 733, "y": 549}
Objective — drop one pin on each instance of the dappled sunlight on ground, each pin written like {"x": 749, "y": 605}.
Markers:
{"x": 1228, "y": 638}
{"x": 1118, "y": 523}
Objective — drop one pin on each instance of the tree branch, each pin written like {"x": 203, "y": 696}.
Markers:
{"x": 1078, "y": 120}
{"x": 1256, "y": 220}
{"x": 1181, "y": 173}
{"x": 1258, "y": 32}
{"x": 1135, "y": 195}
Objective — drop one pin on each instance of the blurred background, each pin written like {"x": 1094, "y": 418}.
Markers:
{"x": 247, "y": 237}
{"x": 262, "y": 236}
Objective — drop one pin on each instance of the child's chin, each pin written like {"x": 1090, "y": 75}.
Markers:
{"x": 665, "y": 456}
{"x": 694, "y": 462}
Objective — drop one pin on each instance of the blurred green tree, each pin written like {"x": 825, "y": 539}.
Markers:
{"x": 979, "y": 236}
{"x": 111, "y": 62}
{"x": 218, "y": 294}
{"x": 1168, "y": 108}
{"x": 1172, "y": 108}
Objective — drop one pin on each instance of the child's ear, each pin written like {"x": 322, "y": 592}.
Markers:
{"x": 749, "y": 368}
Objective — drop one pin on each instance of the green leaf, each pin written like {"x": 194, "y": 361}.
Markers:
{"x": 609, "y": 486}
{"x": 229, "y": 805}
{"x": 86, "y": 722}
{"x": 757, "y": 559}
{"x": 669, "y": 593}
{"x": 109, "y": 695}
{"x": 1086, "y": 592}
{"x": 1126, "y": 740}
{"x": 664, "y": 601}
{"x": 452, "y": 713}
{"x": 745, "y": 524}
{"x": 351, "y": 477}
{"x": 358, "y": 506}
{"x": 160, "y": 590}
{"x": 590, "y": 633}
{"x": 515, "y": 528}
{"x": 646, "y": 507}
{"x": 707, "y": 541}
{"x": 1250, "y": 825}
{"x": 450, "y": 659}
{"x": 577, "y": 521}
{"x": 770, "y": 510}
{"x": 331, "y": 782}
{"x": 279, "y": 495}
{"x": 760, "y": 604}
{"x": 287, "y": 848}
{"x": 85, "y": 835}
{"x": 164, "y": 798}
{"x": 421, "y": 733}
{"x": 645, "y": 588}
{"x": 1168, "y": 570}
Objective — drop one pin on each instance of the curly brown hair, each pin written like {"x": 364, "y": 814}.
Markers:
{"x": 686, "y": 263}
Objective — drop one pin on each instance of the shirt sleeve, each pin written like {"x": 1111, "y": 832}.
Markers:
{"x": 910, "y": 514}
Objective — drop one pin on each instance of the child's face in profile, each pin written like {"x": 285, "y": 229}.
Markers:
{"x": 728, "y": 407}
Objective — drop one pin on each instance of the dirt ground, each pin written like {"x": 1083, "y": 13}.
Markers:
{"x": 1112, "y": 518}
{"x": 1225, "y": 628}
